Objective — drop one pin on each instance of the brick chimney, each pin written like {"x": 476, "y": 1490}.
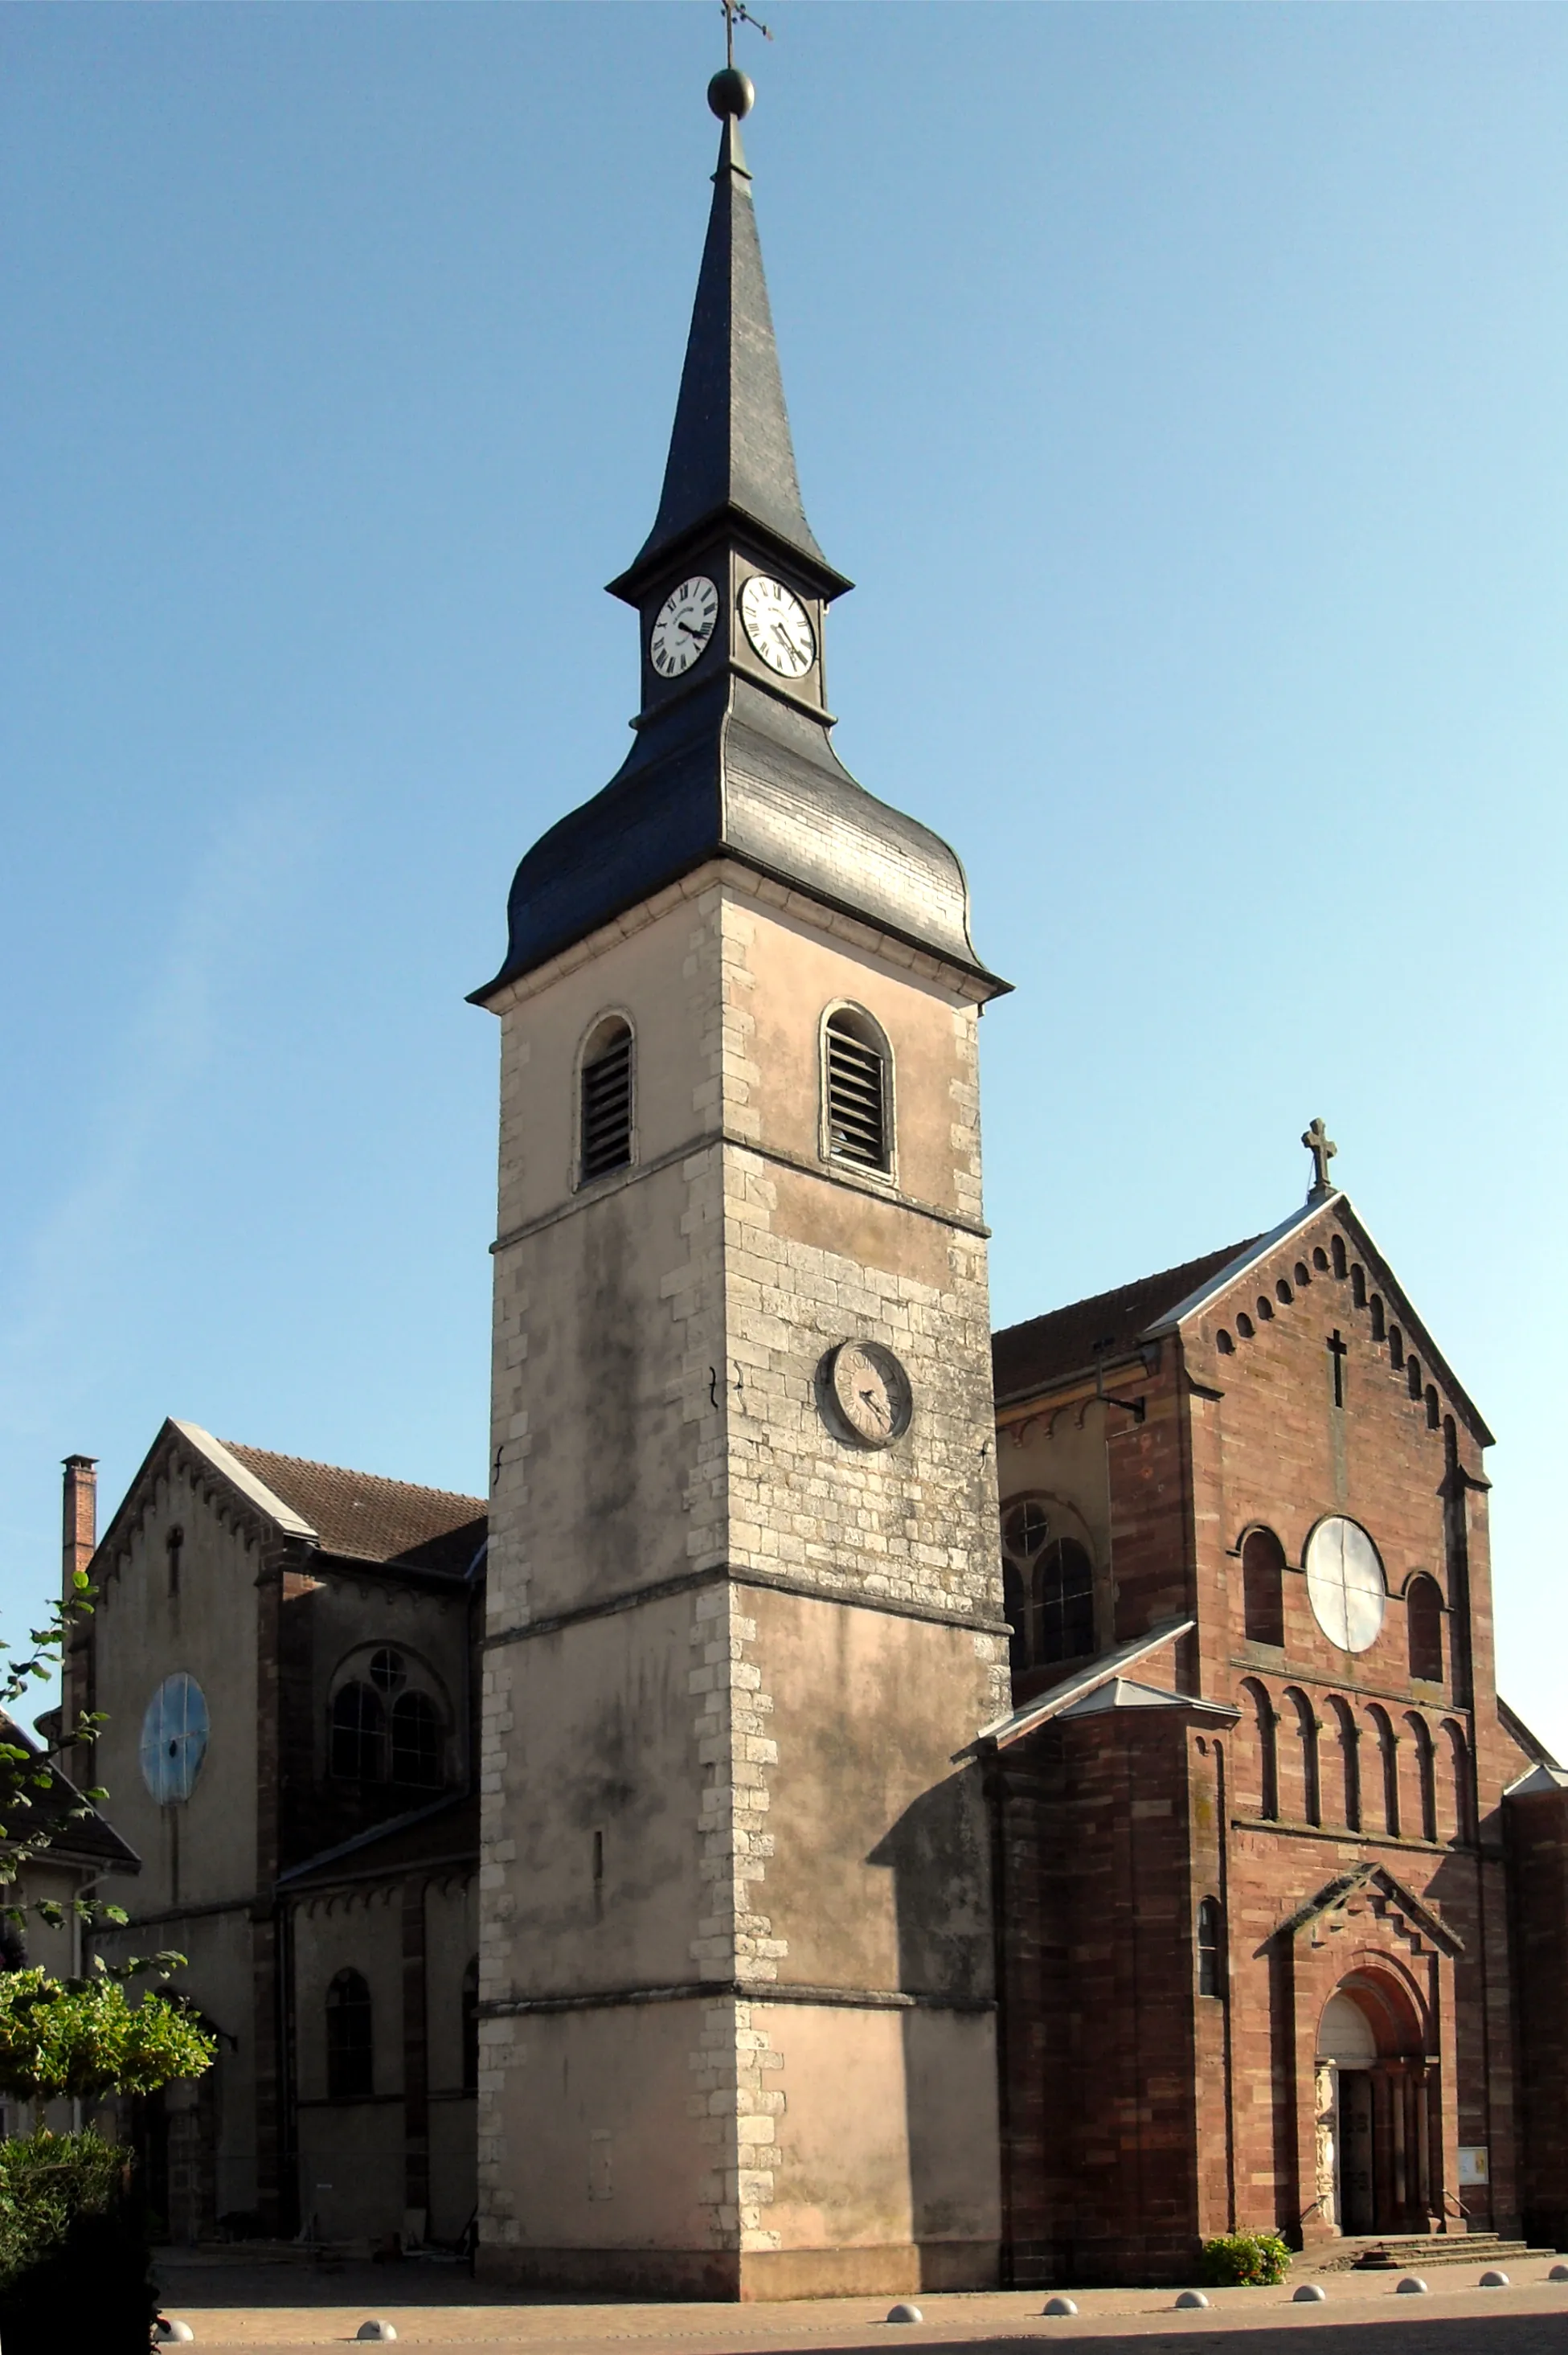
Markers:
{"x": 78, "y": 1542}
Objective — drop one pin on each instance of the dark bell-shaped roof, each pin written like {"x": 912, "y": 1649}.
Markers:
{"x": 728, "y": 767}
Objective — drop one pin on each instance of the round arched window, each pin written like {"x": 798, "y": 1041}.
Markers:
{"x": 1345, "y": 1584}
{"x": 173, "y": 1739}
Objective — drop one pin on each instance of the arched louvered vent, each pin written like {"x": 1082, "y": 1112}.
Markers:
{"x": 858, "y": 1124}
{"x": 606, "y": 1140}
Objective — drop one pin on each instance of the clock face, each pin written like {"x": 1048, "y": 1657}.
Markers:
{"x": 683, "y": 625}
{"x": 173, "y": 1739}
{"x": 1345, "y": 1584}
{"x": 778, "y": 625}
{"x": 871, "y": 1391}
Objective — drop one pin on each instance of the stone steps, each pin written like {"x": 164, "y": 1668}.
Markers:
{"x": 1412, "y": 2252}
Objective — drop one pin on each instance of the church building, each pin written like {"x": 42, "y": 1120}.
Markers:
{"x": 867, "y": 1804}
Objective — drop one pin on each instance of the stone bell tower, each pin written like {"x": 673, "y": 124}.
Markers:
{"x": 737, "y": 2012}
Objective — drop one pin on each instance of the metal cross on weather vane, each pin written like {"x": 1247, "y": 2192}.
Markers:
{"x": 737, "y": 13}
{"x": 1322, "y": 1147}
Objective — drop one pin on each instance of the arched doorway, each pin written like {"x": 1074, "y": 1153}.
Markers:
{"x": 1375, "y": 2108}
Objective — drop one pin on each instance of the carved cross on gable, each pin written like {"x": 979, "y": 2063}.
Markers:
{"x": 1322, "y": 1147}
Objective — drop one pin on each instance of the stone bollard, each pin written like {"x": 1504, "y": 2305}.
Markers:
{"x": 1309, "y": 2294}
{"x": 1411, "y": 2287}
{"x": 1059, "y": 2305}
{"x": 1494, "y": 2278}
{"x": 1192, "y": 2297}
{"x": 903, "y": 2313}
{"x": 383, "y": 2331}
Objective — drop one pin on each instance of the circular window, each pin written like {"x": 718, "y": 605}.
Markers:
{"x": 1345, "y": 1584}
{"x": 173, "y": 1739}
{"x": 387, "y": 1670}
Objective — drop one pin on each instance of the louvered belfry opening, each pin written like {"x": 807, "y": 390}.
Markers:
{"x": 856, "y": 1095}
{"x": 606, "y": 1142}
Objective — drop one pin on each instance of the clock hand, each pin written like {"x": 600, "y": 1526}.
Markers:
{"x": 875, "y": 1403}
{"x": 692, "y": 629}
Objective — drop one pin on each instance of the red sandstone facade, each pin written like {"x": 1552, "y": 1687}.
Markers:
{"x": 1257, "y": 1964}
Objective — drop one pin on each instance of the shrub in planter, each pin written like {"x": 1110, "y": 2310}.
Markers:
{"x": 1253, "y": 2260}
{"x": 74, "y": 2267}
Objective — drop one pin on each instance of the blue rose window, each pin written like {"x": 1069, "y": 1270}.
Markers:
{"x": 173, "y": 1739}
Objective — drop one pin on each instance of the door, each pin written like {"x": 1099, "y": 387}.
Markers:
{"x": 1357, "y": 2174}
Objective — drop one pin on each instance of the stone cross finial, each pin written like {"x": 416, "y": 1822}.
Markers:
{"x": 1322, "y": 1147}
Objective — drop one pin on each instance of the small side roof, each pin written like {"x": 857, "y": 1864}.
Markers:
{"x": 1078, "y": 1686}
{"x": 88, "y": 1839}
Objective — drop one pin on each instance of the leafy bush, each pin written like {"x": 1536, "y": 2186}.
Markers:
{"x": 1254, "y": 2260}
{"x": 74, "y": 2262}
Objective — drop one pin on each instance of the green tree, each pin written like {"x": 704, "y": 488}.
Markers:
{"x": 85, "y": 2038}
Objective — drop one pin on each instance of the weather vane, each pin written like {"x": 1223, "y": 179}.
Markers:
{"x": 736, "y": 12}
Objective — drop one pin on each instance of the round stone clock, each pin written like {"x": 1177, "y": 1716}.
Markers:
{"x": 778, "y": 626}
{"x": 682, "y": 626}
{"x": 870, "y": 1392}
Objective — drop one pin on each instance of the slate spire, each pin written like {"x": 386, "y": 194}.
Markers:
{"x": 730, "y": 455}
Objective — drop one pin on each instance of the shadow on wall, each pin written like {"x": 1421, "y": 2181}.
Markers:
{"x": 939, "y": 1855}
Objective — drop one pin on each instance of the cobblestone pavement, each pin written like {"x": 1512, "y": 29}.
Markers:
{"x": 286, "y": 2308}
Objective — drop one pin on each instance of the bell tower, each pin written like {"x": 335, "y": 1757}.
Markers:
{"x": 736, "y": 1995}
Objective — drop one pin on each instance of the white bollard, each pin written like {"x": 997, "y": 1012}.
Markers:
{"x": 1495, "y": 2278}
{"x": 1411, "y": 2287}
{"x": 383, "y": 2331}
{"x": 1059, "y": 2305}
{"x": 166, "y": 2332}
{"x": 903, "y": 2313}
{"x": 1192, "y": 2297}
{"x": 1309, "y": 2294}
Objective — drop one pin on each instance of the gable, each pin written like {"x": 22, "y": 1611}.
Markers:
{"x": 1374, "y": 1295}
{"x": 1370, "y": 1889}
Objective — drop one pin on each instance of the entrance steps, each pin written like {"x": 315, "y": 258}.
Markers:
{"x": 1409, "y": 2252}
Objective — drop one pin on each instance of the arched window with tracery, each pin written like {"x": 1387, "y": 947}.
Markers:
{"x": 604, "y": 1099}
{"x": 1423, "y": 1628}
{"x": 1210, "y": 1941}
{"x": 1259, "y": 1753}
{"x": 1048, "y": 1583}
{"x": 1263, "y": 1586}
{"x": 350, "y": 2042}
{"x": 416, "y": 1742}
{"x": 857, "y": 1094}
{"x": 1388, "y": 1763}
{"x": 1343, "y": 1800}
{"x": 359, "y": 1746}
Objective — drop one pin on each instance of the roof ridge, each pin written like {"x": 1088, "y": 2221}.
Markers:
{"x": 242, "y": 1448}
{"x": 1135, "y": 1283}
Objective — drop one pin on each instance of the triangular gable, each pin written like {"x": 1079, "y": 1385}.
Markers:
{"x": 1336, "y": 1209}
{"x": 195, "y": 1450}
{"x": 1126, "y": 1692}
{"x": 1540, "y": 1780}
{"x": 1011, "y": 1728}
{"x": 1377, "y": 1878}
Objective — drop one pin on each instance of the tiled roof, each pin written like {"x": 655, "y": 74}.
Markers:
{"x": 372, "y": 1520}
{"x": 444, "y": 1831}
{"x": 1047, "y": 1350}
{"x": 73, "y": 1838}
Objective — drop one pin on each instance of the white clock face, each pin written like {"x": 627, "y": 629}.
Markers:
{"x": 871, "y": 1391}
{"x": 682, "y": 626}
{"x": 778, "y": 625}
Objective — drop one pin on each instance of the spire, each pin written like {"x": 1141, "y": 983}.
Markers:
{"x": 730, "y": 453}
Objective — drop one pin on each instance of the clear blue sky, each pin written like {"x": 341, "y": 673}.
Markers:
{"x": 1186, "y": 386}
